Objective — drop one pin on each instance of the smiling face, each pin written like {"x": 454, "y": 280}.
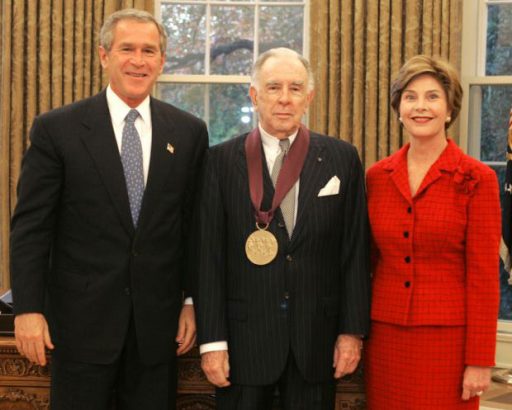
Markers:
{"x": 281, "y": 95}
{"x": 424, "y": 108}
{"x": 134, "y": 60}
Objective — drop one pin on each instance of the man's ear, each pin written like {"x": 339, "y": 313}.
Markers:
{"x": 253, "y": 93}
{"x": 103, "y": 56}
{"x": 309, "y": 98}
{"x": 162, "y": 63}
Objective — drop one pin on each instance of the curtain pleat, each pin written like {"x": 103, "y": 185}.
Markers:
{"x": 371, "y": 94}
{"x": 49, "y": 57}
{"x": 5, "y": 132}
{"x": 376, "y": 150}
{"x": 56, "y": 67}
{"x": 44, "y": 65}
{"x": 359, "y": 46}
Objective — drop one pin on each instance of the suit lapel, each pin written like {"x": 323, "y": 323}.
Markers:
{"x": 397, "y": 165}
{"x": 312, "y": 171}
{"x": 447, "y": 161}
{"x": 399, "y": 176}
{"x": 101, "y": 143}
{"x": 161, "y": 160}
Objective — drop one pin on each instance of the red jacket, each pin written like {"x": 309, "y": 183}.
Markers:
{"x": 435, "y": 255}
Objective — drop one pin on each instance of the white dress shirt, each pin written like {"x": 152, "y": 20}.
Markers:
{"x": 118, "y": 111}
{"x": 271, "y": 149}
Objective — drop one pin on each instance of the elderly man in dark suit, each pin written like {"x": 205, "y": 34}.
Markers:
{"x": 283, "y": 288}
{"x": 99, "y": 243}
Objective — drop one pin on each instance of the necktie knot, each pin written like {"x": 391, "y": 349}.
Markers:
{"x": 284, "y": 145}
{"x": 131, "y": 116}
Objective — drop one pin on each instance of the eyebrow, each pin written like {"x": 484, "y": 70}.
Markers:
{"x": 281, "y": 82}
{"x": 408, "y": 90}
{"x": 145, "y": 45}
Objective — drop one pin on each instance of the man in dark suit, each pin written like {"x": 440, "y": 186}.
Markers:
{"x": 283, "y": 288}
{"x": 99, "y": 243}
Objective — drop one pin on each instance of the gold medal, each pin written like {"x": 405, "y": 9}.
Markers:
{"x": 261, "y": 246}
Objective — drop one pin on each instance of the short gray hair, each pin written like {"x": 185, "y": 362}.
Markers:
{"x": 107, "y": 30}
{"x": 281, "y": 52}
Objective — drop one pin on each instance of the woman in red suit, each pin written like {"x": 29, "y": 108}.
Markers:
{"x": 435, "y": 218}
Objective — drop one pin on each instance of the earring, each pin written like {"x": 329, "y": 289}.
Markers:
{"x": 400, "y": 119}
{"x": 448, "y": 119}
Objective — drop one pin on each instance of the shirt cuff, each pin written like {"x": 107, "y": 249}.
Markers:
{"x": 213, "y": 347}
{"x": 188, "y": 301}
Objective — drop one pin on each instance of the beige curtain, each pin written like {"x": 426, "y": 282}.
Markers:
{"x": 49, "y": 58}
{"x": 357, "y": 47}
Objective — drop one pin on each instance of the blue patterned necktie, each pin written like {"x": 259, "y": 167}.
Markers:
{"x": 131, "y": 157}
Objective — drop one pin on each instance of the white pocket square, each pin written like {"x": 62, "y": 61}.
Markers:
{"x": 331, "y": 188}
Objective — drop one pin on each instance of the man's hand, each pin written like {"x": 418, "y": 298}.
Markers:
{"x": 32, "y": 336}
{"x": 215, "y": 366}
{"x": 186, "y": 336}
{"x": 476, "y": 380}
{"x": 347, "y": 353}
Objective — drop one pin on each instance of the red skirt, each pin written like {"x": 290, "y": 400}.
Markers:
{"x": 415, "y": 368}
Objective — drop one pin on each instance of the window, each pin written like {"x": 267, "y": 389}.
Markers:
{"x": 212, "y": 46}
{"x": 487, "y": 81}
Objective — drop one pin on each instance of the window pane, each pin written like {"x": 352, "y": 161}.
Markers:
{"x": 499, "y": 40}
{"x": 230, "y": 111}
{"x": 500, "y": 172}
{"x": 227, "y": 1}
{"x": 186, "y": 28}
{"x": 188, "y": 97}
{"x": 505, "y": 312}
{"x": 231, "y": 44}
{"x": 495, "y": 102}
{"x": 227, "y": 109}
{"x": 281, "y": 27}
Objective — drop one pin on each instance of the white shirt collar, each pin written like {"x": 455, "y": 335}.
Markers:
{"x": 119, "y": 109}
{"x": 271, "y": 142}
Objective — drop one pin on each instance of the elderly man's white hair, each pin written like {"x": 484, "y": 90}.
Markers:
{"x": 281, "y": 52}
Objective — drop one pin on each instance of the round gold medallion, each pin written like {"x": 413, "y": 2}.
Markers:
{"x": 261, "y": 246}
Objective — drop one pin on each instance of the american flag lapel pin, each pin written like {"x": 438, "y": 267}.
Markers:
{"x": 170, "y": 148}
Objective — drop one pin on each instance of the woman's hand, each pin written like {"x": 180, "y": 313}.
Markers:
{"x": 476, "y": 380}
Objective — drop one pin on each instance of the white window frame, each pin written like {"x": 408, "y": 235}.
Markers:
{"x": 208, "y": 79}
{"x": 474, "y": 31}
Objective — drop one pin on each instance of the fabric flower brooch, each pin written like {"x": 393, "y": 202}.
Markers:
{"x": 466, "y": 178}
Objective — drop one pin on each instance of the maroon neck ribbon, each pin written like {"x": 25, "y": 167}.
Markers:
{"x": 288, "y": 175}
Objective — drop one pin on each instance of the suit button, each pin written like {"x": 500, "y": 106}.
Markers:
{"x": 127, "y": 291}
{"x": 407, "y": 259}
{"x": 289, "y": 258}
{"x": 407, "y": 284}
{"x": 286, "y": 295}
{"x": 406, "y": 234}
{"x": 281, "y": 225}
{"x": 409, "y": 210}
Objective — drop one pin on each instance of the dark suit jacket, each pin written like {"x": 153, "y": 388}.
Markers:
{"x": 322, "y": 272}
{"x": 75, "y": 254}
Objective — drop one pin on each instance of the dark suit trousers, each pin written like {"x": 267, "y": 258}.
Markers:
{"x": 127, "y": 383}
{"x": 295, "y": 393}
